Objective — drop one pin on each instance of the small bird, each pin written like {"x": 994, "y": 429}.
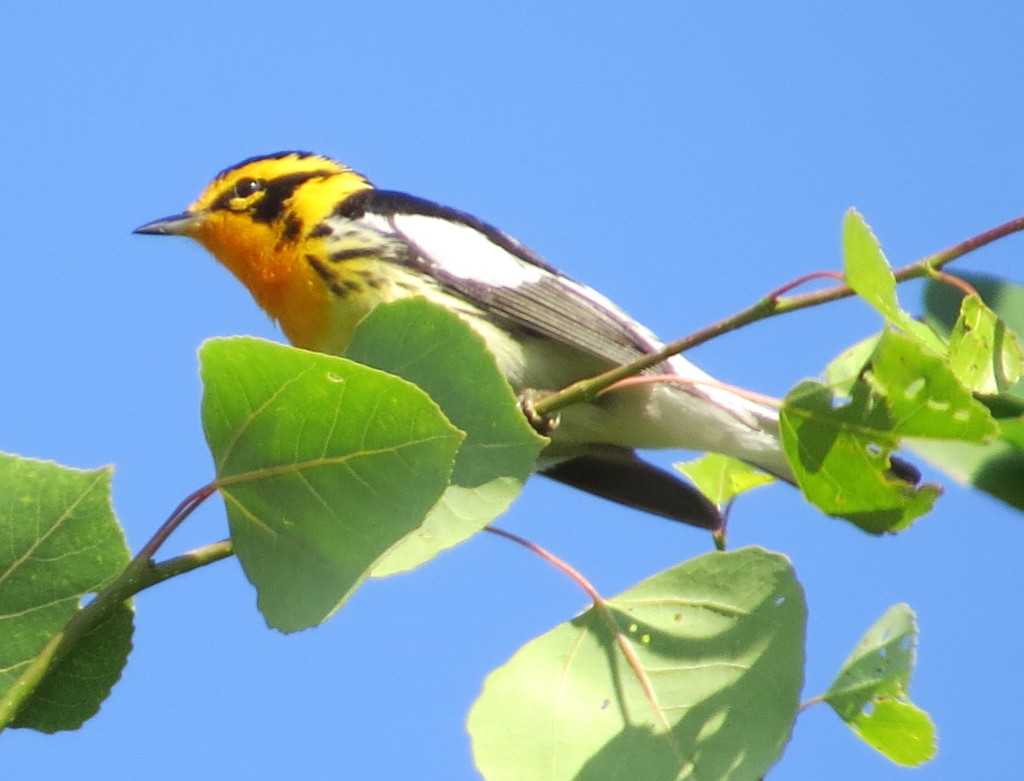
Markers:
{"x": 318, "y": 247}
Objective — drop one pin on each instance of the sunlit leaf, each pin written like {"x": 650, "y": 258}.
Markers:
{"x": 922, "y": 395}
{"x": 61, "y": 542}
{"x": 867, "y": 271}
{"x": 721, "y": 478}
{"x": 943, "y": 309}
{"x": 847, "y": 368}
{"x": 872, "y": 691}
{"x": 432, "y": 347}
{"x": 324, "y": 465}
{"x": 720, "y": 639}
{"x": 840, "y": 456}
{"x": 985, "y": 356}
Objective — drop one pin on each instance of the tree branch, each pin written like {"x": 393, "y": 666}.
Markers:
{"x": 775, "y": 303}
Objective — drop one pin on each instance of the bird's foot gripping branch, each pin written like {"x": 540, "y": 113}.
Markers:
{"x": 334, "y": 470}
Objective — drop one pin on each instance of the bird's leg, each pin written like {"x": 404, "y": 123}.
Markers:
{"x": 542, "y": 424}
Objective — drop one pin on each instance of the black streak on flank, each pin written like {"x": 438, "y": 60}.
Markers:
{"x": 321, "y": 270}
{"x": 339, "y": 288}
{"x": 351, "y": 254}
{"x": 371, "y": 279}
{"x": 321, "y": 230}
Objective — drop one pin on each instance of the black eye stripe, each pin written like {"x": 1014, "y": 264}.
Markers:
{"x": 269, "y": 207}
{"x": 275, "y": 192}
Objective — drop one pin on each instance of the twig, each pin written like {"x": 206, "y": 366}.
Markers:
{"x": 775, "y": 303}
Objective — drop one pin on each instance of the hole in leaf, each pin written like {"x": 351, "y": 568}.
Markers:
{"x": 913, "y": 388}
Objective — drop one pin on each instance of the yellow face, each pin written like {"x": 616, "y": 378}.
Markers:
{"x": 256, "y": 217}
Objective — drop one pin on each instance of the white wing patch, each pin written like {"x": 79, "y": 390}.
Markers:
{"x": 376, "y": 222}
{"x": 465, "y": 252}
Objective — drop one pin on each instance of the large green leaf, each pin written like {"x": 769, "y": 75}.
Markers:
{"x": 872, "y": 691}
{"x": 922, "y": 395}
{"x": 324, "y": 465}
{"x": 61, "y": 542}
{"x": 840, "y": 448}
{"x": 431, "y": 347}
{"x": 840, "y": 456}
{"x": 720, "y": 640}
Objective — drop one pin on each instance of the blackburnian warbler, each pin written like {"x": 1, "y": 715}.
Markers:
{"x": 318, "y": 247}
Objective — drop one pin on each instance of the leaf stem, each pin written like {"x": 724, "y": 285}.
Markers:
{"x": 175, "y": 519}
{"x": 601, "y": 606}
{"x": 812, "y": 701}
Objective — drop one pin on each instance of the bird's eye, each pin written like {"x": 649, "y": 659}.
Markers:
{"x": 246, "y": 187}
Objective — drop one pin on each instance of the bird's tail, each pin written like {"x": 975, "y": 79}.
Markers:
{"x": 685, "y": 410}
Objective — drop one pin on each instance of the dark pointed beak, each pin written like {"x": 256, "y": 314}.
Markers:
{"x": 178, "y": 225}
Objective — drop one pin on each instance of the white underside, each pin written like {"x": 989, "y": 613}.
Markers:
{"x": 663, "y": 415}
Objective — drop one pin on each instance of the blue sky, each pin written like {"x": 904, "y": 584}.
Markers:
{"x": 682, "y": 157}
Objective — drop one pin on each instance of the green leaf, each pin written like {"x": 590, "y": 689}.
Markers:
{"x": 434, "y": 349}
{"x": 324, "y": 465}
{"x": 943, "y": 306}
{"x": 1005, "y": 298}
{"x": 867, "y": 271}
{"x": 995, "y": 467}
{"x": 866, "y": 268}
{"x": 842, "y": 450}
{"x": 73, "y": 690}
{"x": 720, "y": 639}
{"x": 984, "y": 355}
{"x": 922, "y": 395}
{"x": 840, "y": 457}
{"x": 872, "y": 691}
{"x": 721, "y": 478}
{"x": 61, "y": 542}
{"x": 847, "y": 368}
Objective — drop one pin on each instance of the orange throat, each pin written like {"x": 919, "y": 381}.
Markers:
{"x": 278, "y": 277}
